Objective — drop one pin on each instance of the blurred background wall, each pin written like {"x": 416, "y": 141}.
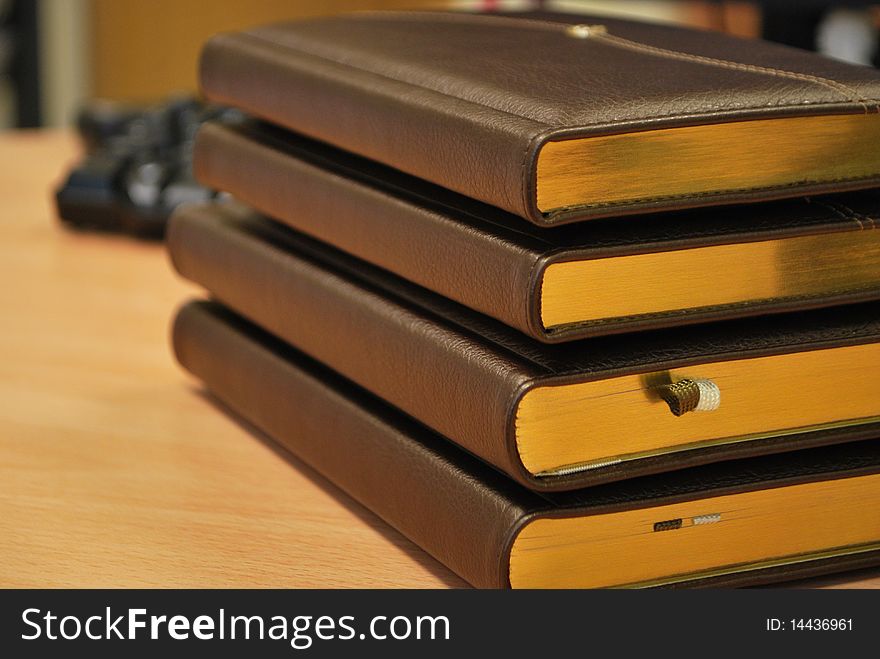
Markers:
{"x": 143, "y": 50}
{"x": 57, "y": 54}
{"x": 67, "y": 51}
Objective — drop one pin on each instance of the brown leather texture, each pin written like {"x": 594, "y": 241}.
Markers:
{"x": 478, "y": 255}
{"x": 459, "y": 372}
{"x": 453, "y": 506}
{"x": 466, "y": 101}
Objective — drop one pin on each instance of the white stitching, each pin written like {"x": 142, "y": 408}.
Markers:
{"x": 557, "y": 26}
{"x": 849, "y": 93}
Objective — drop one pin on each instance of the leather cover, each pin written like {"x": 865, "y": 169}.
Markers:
{"x": 456, "y": 371}
{"x": 477, "y": 255}
{"x": 468, "y": 100}
{"x": 460, "y": 511}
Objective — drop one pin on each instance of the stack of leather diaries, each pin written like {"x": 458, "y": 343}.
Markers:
{"x": 568, "y": 302}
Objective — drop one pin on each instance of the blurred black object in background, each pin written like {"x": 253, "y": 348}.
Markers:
{"x": 138, "y": 166}
{"x": 20, "y": 59}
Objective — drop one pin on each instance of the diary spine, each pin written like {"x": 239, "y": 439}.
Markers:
{"x": 453, "y": 381}
{"x": 422, "y": 488}
{"x": 463, "y": 263}
{"x": 480, "y": 151}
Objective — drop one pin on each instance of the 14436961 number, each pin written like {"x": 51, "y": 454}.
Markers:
{"x": 810, "y": 624}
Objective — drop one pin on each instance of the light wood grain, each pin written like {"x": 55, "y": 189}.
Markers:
{"x": 115, "y": 469}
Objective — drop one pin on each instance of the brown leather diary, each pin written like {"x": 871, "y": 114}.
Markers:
{"x": 587, "y": 279}
{"x": 551, "y": 416}
{"x": 558, "y": 118}
{"x": 742, "y": 522}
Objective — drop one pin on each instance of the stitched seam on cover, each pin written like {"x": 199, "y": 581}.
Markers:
{"x": 676, "y": 114}
{"x": 460, "y": 17}
{"x": 850, "y": 94}
{"x": 713, "y": 193}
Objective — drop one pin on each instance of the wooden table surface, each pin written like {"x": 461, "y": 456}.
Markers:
{"x": 115, "y": 469}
